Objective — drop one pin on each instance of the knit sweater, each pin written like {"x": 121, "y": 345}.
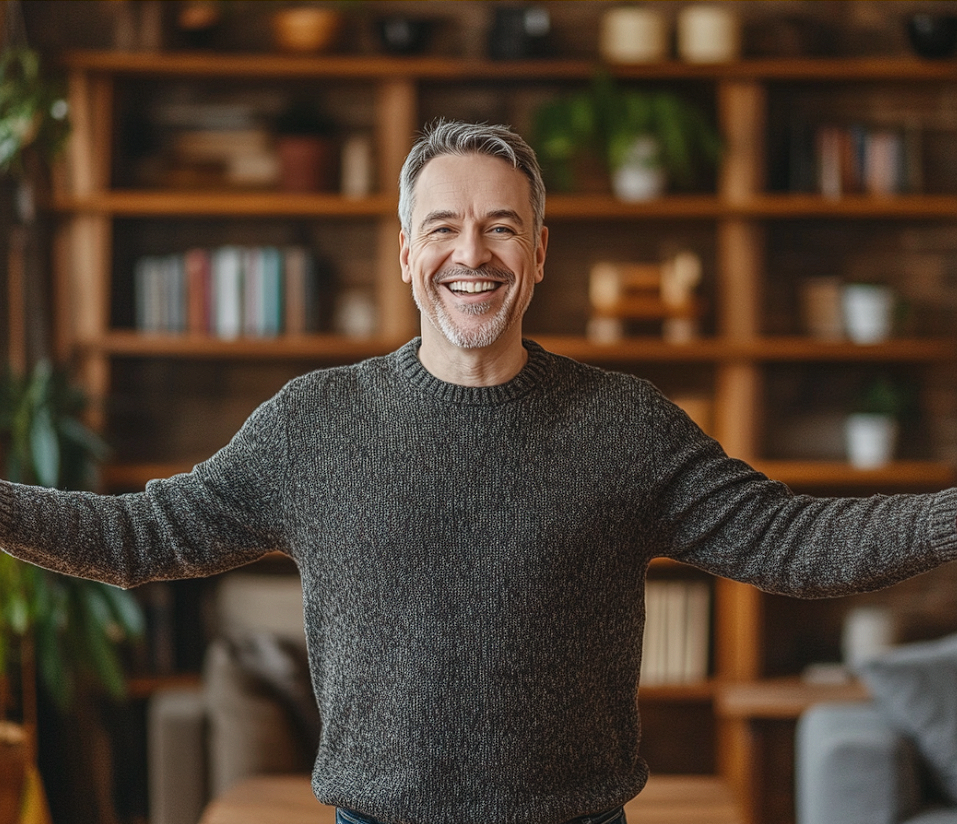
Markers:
{"x": 473, "y": 561}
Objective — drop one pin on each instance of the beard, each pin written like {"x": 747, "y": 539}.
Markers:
{"x": 472, "y": 336}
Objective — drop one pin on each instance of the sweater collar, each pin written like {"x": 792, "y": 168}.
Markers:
{"x": 531, "y": 375}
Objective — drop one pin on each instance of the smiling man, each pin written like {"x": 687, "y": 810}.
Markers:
{"x": 473, "y": 249}
{"x": 472, "y": 518}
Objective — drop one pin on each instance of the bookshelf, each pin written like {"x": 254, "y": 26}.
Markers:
{"x": 100, "y": 212}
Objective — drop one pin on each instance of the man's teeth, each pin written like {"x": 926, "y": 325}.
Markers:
{"x": 472, "y": 286}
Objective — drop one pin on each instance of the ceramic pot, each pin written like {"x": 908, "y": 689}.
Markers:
{"x": 404, "y": 35}
{"x": 303, "y": 29}
{"x": 708, "y": 33}
{"x": 633, "y": 35}
{"x": 868, "y": 312}
{"x": 307, "y": 163}
{"x": 870, "y": 440}
{"x": 933, "y": 36}
{"x": 640, "y": 177}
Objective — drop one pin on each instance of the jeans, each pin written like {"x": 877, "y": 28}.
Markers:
{"x": 610, "y": 817}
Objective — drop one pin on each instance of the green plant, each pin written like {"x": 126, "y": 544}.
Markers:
{"x": 33, "y": 111}
{"x": 76, "y": 625}
{"x": 882, "y": 395}
{"x": 603, "y": 122}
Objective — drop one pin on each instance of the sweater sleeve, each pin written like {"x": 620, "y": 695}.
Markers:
{"x": 719, "y": 514}
{"x": 225, "y": 513}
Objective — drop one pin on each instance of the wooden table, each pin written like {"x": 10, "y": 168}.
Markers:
{"x": 289, "y": 800}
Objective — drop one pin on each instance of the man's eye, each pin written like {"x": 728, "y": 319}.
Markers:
{"x": 502, "y": 230}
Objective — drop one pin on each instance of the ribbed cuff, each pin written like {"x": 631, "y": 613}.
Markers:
{"x": 943, "y": 525}
{"x": 6, "y": 508}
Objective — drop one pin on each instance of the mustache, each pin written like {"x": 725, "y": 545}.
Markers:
{"x": 506, "y": 276}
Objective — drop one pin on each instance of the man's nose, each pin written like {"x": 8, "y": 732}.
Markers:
{"x": 471, "y": 249}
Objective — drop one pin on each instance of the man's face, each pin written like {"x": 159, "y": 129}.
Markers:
{"x": 472, "y": 255}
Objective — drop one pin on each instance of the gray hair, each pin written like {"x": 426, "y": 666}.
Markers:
{"x": 454, "y": 137}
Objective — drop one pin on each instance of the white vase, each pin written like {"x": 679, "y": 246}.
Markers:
{"x": 640, "y": 176}
{"x": 708, "y": 33}
{"x": 868, "y": 312}
{"x": 633, "y": 34}
{"x": 867, "y": 633}
{"x": 870, "y": 440}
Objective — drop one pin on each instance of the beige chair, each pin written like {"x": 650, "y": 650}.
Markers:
{"x": 253, "y": 712}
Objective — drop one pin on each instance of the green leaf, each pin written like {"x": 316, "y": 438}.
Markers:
{"x": 45, "y": 448}
{"x": 125, "y": 611}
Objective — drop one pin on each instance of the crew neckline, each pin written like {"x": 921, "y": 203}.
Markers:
{"x": 424, "y": 381}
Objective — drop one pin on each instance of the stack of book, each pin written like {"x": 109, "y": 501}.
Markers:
{"x": 228, "y": 292}
{"x": 677, "y": 632}
{"x": 838, "y": 160}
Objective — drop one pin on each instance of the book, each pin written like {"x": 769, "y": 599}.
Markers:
{"x": 227, "y": 292}
{"x": 677, "y": 635}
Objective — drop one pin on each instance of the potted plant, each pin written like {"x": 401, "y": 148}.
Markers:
{"x": 871, "y": 429}
{"x": 307, "y": 149}
{"x": 65, "y": 632}
{"x": 33, "y": 112}
{"x": 641, "y": 140}
{"x": 76, "y": 625}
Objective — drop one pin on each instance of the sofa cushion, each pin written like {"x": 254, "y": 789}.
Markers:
{"x": 250, "y": 731}
{"x": 915, "y": 688}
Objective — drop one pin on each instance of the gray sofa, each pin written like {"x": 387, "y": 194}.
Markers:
{"x": 253, "y": 711}
{"x": 891, "y": 760}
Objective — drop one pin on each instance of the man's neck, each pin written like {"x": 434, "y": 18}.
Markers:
{"x": 488, "y": 366}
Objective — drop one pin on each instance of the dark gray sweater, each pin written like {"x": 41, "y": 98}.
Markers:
{"x": 473, "y": 562}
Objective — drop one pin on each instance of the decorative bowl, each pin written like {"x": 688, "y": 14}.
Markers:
{"x": 932, "y": 35}
{"x": 304, "y": 29}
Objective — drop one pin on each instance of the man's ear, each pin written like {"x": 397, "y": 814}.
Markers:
{"x": 404, "y": 257}
{"x": 540, "y": 255}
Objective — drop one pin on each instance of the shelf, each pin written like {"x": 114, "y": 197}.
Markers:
{"x": 353, "y": 67}
{"x": 188, "y": 203}
{"x": 395, "y": 92}
{"x": 780, "y": 698}
{"x": 560, "y": 207}
{"x": 327, "y": 348}
{"x": 696, "y": 692}
{"x": 785, "y": 205}
{"x": 835, "y": 474}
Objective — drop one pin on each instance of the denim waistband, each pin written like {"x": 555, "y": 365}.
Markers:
{"x": 616, "y": 816}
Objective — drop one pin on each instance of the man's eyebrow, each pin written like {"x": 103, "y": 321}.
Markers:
{"x": 437, "y": 216}
{"x": 510, "y": 214}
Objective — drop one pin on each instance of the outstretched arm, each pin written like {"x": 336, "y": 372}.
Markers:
{"x": 725, "y": 517}
{"x": 225, "y": 513}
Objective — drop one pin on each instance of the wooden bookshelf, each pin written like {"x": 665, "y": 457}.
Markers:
{"x": 735, "y": 356}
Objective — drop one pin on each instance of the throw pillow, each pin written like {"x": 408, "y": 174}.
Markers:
{"x": 915, "y": 688}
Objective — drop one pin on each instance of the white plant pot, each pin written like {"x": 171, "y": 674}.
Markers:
{"x": 868, "y": 312}
{"x": 870, "y": 440}
{"x": 640, "y": 177}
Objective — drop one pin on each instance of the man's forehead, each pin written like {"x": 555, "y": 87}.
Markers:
{"x": 459, "y": 178}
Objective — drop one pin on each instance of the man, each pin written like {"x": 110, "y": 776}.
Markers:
{"x": 472, "y": 518}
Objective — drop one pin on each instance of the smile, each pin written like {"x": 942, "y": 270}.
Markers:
{"x": 473, "y": 287}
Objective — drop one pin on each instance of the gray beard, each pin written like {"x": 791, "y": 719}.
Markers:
{"x": 487, "y": 333}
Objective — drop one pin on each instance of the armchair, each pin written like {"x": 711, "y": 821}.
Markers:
{"x": 890, "y": 760}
